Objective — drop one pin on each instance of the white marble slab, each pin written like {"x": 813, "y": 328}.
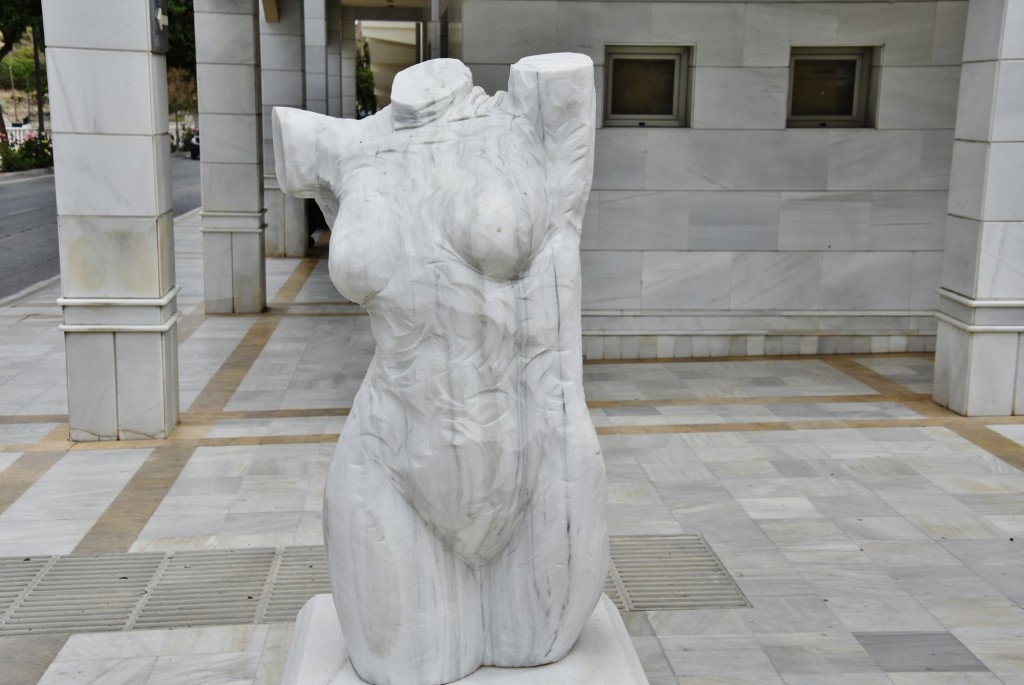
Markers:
{"x": 603, "y": 655}
{"x": 738, "y": 98}
{"x": 1008, "y": 119}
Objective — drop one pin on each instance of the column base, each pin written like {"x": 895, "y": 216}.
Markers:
{"x": 603, "y": 655}
{"x": 978, "y": 356}
{"x": 122, "y": 367}
{"x": 234, "y": 263}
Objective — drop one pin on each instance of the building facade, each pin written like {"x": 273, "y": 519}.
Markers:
{"x": 771, "y": 177}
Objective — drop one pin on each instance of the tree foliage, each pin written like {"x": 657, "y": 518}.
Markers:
{"x": 16, "y": 16}
{"x": 18, "y": 69}
{"x": 366, "y": 100}
{"x": 181, "y": 52}
{"x": 181, "y": 91}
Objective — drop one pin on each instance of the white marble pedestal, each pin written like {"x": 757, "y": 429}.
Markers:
{"x": 603, "y": 655}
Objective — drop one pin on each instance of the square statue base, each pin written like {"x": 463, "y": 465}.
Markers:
{"x": 603, "y": 655}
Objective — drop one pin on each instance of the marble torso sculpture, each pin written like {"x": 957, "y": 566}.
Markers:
{"x": 464, "y": 508}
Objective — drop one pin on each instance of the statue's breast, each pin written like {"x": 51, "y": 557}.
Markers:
{"x": 494, "y": 217}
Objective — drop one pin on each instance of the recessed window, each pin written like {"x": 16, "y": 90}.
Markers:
{"x": 830, "y": 87}
{"x": 646, "y": 85}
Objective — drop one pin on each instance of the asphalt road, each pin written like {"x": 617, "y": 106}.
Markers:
{"x": 28, "y": 224}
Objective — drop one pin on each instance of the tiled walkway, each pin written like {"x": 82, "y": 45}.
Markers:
{"x": 877, "y": 537}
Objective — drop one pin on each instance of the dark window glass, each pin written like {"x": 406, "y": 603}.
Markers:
{"x": 824, "y": 87}
{"x": 643, "y": 86}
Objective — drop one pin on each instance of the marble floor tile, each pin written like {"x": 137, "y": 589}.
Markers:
{"x": 919, "y": 652}
{"x": 118, "y": 671}
{"x": 816, "y": 652}
{"x": 779, "y": 508}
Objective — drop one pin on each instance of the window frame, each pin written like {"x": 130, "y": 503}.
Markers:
{"x": 863, "y": 89}
{"x": 681, "y": 97}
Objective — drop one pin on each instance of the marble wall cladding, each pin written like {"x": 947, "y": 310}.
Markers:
{"x": 1001, "y": 260}
{"x": 974, "y": 109}
{"x": 674, "y": 159}
{"x": 228, "y": 88}
{"x": 1003, "y": 198}
{"x": 130, "y": 82}
{"x": 231, "y": 187}
{"x": 95, "y": 258}
{"x": 611, "y": 279}
{"x": 91, "y": 385}
{"x": 225, "y": 38}
{"x": 508, "y": 30}
{"x": 1008, "y": 119}
{"x": 111, "y": 175}
{"x": 918, "y": 97}
{"x": 715, "y": 30}
{"x": 628, "y": 220}
{"x": 960, "y": 256}
{"x": 686, "y": 280}
{"x": 740, "y": 97}
{"x": 825, "y": 221}
{"x": 865, "y": 280}
{"x": 112, "y": 24}
{"x": 908, "y": 220}
{"x": 806, "y": 219}
{"x": 734, "y": 221}
{"x": 776, "y": 280}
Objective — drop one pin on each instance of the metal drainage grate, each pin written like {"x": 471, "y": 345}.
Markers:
{"x": 652, "y": 572}
{"x": 113, "y": 592}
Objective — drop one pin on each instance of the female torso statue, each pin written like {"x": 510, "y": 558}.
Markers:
{"x": 464, "y": 508}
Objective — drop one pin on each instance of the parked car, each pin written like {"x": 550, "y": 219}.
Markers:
{"x": 193, "y": 146}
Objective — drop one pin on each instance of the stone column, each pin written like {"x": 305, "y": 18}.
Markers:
{"x": 315, "y": 20}
{"x": 979, "y": 364}
{"x": 108, "y": 100}
{"x": 230, "y": 124}
{"x": 348, "y": 62}
{"x": 283, "y": 85}
{"x": 334, "y": 59}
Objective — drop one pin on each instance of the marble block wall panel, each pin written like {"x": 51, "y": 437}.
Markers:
{"x": 906, "y": 29}
{"x": 825, "y": 221}
{"x": 611, "y": 280}
{"x": 145, "y": 405}
{"x": 1008, "y": 122}
{"x": 620, "y": 159}
{"x": 865, "y": 280}
{"x": 925, "y": 279}
{"x": 950, "y": 23}
{"x": 960, "y": 265}
{"x": 908, "y": 220}
{"x": 715, "y": 30}
{"x": 776, "y": 280}
{"x": 1004, "y": 200}
{"x": 1001, "y": 260}
{"x": 235, "y": 134}
{"x": 918, "y": 97}
{"x": 936, "y": 160}
{"x": 224, "y": 38}
{"x": 738, "y": 98}
{"x": 992, "y": 366}
{"x": 771, "y": 28}
{"x": 505, "y": 31}
{"x": 629, "y": 220}
{"x": 865, "y": 159}
{"x": 112, "y": 24}
{"x": 228, "y": 88}
{"x": 123, "y": 106}
{"x": 967, "y": 178}
{"x": 784, "y": 160}
{"x": 984, "y": 22}
{"x": 490, "y": 77}
{"x": 586, "y": 27}
{"x": 675, "y": 159}
{"x": 91, "y": 384}
{"x": 231, "y": 187}
{"x": 686, "y": 280}
{"x": 115, "y": 256}
{"x": 734, "y": 221}
{"x": 974, "y": 109}
{"x": 110, "y": 175}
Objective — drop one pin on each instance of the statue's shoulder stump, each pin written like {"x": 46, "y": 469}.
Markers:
{"x": 603, "y": 655}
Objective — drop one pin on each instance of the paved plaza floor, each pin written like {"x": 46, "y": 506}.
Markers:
{"x": 876, "y": 537}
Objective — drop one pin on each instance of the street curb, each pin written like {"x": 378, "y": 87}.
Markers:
{"x": 35, "y": 287}
{"x": 11, "y": 176}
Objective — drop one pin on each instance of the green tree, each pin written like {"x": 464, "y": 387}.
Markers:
{"x": 181, "y": 52}
{"x": 16, "y": 16}
{"x": 366, "y": 100}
